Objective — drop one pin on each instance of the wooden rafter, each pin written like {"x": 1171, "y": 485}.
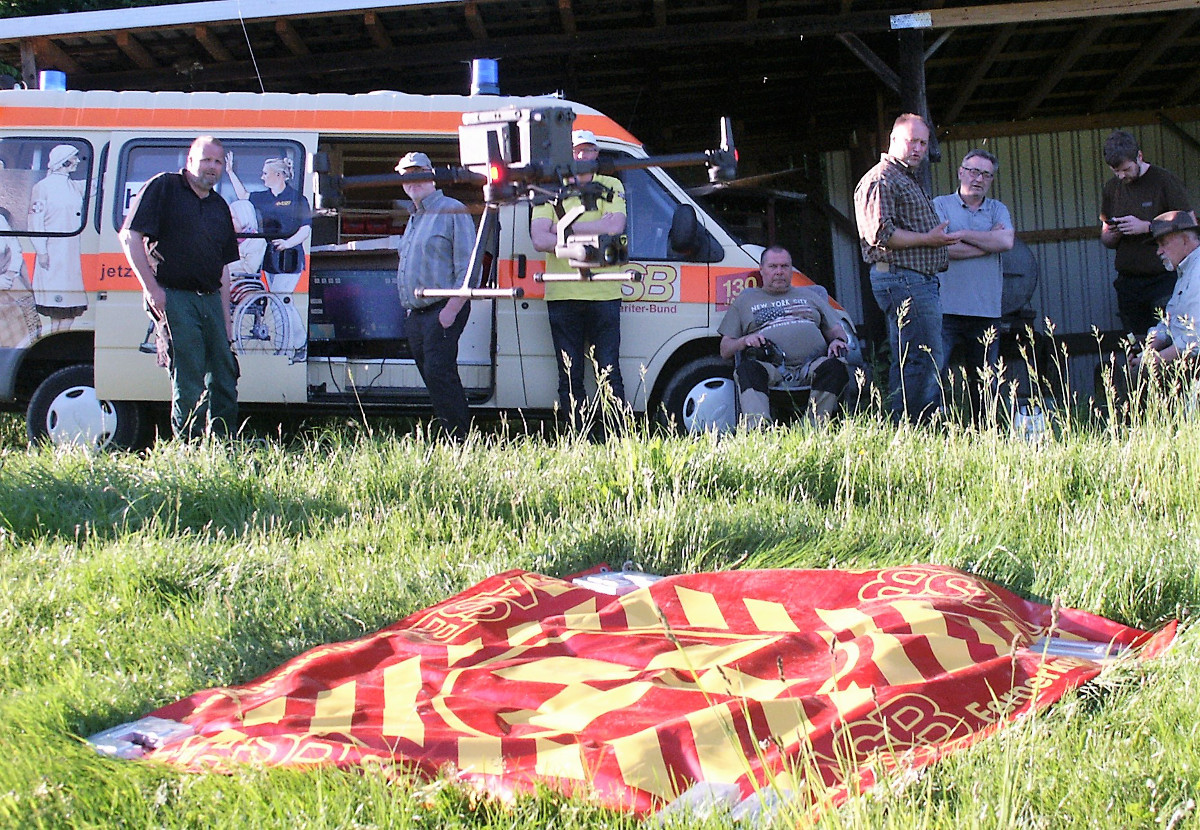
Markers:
{"x": 475, "y": 20}
{"x": 979, "y": 72}
{"x": 873, "y": 62}
{"x": 51, "y": 56}
{"x": 1046, "y": 10}
{"x": 1074, "y": 51}
{"x": 567, "y": 15}
{"x": 135, "y": 51}
{"x": 751, "y": 10}
{"x": 1148, "y": 55}
{"x": 377, "y": 31}
{"x": 291, "y": 38}
{"x": 660, "y": 13}
{"x": 211, "y": 44}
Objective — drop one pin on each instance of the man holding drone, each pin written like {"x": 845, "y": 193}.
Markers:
{"x": 583, "y": 310}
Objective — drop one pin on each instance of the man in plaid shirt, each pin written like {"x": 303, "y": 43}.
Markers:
{"x": 905, "y": 246}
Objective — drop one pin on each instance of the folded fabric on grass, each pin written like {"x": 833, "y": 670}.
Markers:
{"x": 747, "y": 686}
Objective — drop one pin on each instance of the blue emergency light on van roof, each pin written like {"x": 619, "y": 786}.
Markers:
{"x": 52, "y": 79}
{"x": 485, "y": 76}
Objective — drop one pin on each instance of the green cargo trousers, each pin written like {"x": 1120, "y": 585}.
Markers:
{"x": 202, "y": 366}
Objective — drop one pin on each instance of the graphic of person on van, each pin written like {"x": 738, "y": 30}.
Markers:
{"x": 19, "y": 322}
{"x": 251, "y": 249}
{"x": 282, "y": 210}
{"x": 56, "y": 206}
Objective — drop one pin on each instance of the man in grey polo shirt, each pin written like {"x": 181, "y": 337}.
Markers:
{"x": 972, "y": 287}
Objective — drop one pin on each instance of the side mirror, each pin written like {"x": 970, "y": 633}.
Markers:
{"x": 688, "y": 237}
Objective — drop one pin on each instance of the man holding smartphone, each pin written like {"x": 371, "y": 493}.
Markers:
{"x": 1136, "y": 194}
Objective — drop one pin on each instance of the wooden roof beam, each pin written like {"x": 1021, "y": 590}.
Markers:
{"x": 751, "y": 10}
{"x": 982, "y": 66}
{"x": 51, "y": 56}
{"x": 377, "y": 31}
{"x": 475, "y": 20}
{"x": 1079, "y": 44}
{"x": 660, "y": 13}
{"x": 290, "y": 37}
{"x": 135, "y": 51}
{"x": 1149, "y": 54}
{"x": 211, "y": 44}
{"x": 1042, "y": 11}
{"x": 567, "y": 15}
{"x": 875, "y": 63}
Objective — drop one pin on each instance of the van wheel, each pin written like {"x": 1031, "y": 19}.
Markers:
{"x": 699, "y": 397}
{"x": 64, "y": 410}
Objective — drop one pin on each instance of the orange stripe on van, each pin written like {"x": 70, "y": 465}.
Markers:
{"x": 215, "y": 120}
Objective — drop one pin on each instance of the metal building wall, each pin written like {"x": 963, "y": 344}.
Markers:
{"x": 1048, "y": 181}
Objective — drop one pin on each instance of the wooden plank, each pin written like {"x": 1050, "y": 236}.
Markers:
{"x": 567, "y": 15}
{"x": 51, "y": 56}
{"x": 1061, "y": 234}
{"x": 982, "y": 67}
{"x": 475, "y": 20}
{"x": 135, "y": 51}
{"x": 1045, "y": 10}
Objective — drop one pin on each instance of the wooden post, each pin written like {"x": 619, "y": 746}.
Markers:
{"x": 912, "y": 93}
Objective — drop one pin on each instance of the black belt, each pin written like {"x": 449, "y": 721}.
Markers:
{"x": 425, "y": 309}
{"x": 197, "y": 291}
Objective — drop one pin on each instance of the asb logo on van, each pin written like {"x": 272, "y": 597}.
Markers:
{"x": 660, "y": 284}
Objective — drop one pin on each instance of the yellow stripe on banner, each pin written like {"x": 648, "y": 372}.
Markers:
{"x": 769, "y": 616}
{"x": 401, "y": 685}
{"x": 270, "y": 712}
{"x": 717, "y": 747}
{"x": 787, "y": 721}
{"x": 850, "y": 700}
{"x": 730, "y": 681}
{"x": 523, "y": 633}
{"x": 334, "y": 709}
{"x": 559, "y": 669}
{"x": 704, "y": 656}
{"x": 642, "y": 765}
{"x": 930, "y": 623}
{"x": 559, "y": 760}
{"x": 700, "y": 608}
{"x": 480, "y": 755}
{"x": 457, "y": 652}
{"x": 572, "y": 709}
{"x": 226, "y": 736}
{"x": 640, "y": 610}
{"x": 988, "y": 636}
{"x": 893, "y": 662}
{"x": 847, "y": 619}
{"x": 583, "y": 617}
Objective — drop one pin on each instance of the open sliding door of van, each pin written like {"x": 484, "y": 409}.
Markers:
{"x": 265, "y": 188}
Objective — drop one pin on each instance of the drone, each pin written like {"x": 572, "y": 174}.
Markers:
{"x": 524, "y": 154}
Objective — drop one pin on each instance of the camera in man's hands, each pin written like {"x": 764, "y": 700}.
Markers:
{"x": 595, "y": 250}
{"x": 768, "y": 352}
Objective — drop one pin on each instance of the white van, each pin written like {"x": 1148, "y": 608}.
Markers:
{"x": 76, "y": 352}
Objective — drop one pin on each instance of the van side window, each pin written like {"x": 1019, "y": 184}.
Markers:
{"x": 144, "y": 159}
{"x": 651, "y": 210}
{"x": 45, "y": 185}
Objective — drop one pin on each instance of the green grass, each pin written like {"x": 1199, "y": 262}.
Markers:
{"x": 130, "y": 581}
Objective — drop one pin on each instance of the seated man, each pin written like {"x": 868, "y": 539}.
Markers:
{"x": 803, "y": 327}
{"x": 1171, "y": 349}
{"x": 1174, "y": 338}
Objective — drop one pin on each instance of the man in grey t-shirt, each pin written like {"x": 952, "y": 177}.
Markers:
{"x": 971, "y": 289}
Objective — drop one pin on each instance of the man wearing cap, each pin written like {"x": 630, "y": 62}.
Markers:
{"x": 56, "y": 207}
{"x": 435, "y": 252}
{"x": 181, "y": 221}
{"x": 905, "y": 242}
{"x": 1175, "y": 336}
{"x": 1137, "y": 193}
{"x": 583, "y": 311}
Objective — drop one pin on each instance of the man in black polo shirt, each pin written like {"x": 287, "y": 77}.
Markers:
{"x": 184, "y": 225}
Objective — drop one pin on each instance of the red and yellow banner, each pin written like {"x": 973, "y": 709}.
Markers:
{"x": 724, "y": 678}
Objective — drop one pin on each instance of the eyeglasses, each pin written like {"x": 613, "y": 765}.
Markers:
{"x": 976, "y": 173}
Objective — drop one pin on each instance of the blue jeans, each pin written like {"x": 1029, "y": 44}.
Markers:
{"x": 968, "y": 333}
{"x": 574, "y": 324}
{"x": 915, "y": 339}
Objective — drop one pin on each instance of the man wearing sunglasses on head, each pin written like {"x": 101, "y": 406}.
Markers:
{"x": 971, "y": 288}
